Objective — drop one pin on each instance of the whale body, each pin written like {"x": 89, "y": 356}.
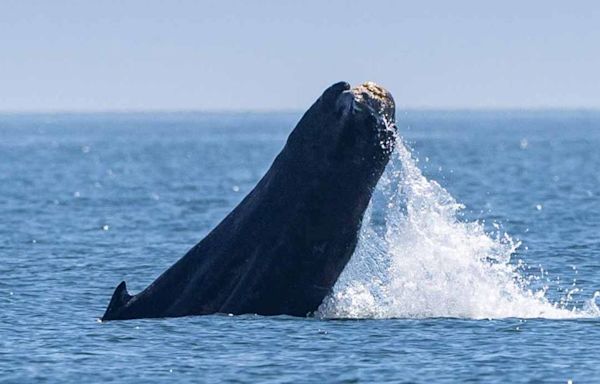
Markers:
{"x": 281, "y": 250}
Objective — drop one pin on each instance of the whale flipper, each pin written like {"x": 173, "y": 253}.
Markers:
{"x": 118, "y": 300}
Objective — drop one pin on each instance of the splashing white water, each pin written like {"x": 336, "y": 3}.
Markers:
{"x": 427, "y": 263}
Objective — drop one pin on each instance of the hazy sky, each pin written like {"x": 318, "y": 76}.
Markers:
{"x": 146, "y": 55}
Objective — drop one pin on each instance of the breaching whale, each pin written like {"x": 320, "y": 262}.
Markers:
{"x": 281, "y": 250}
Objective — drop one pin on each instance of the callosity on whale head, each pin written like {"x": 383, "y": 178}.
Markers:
{"x": 281, "y": 250}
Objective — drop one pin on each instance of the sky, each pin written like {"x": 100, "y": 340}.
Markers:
{"x": 280, "y": 55}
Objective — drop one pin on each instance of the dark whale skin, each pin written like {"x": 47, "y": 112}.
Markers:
{"x": 281, "y": 250}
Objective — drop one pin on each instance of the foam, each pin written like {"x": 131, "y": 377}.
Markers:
{"x": 421, "y": 261}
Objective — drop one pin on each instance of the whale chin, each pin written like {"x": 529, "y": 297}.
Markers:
{"x": 281, "y": 250}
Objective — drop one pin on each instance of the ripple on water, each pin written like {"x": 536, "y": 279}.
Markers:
{"x": 53, "y": 290}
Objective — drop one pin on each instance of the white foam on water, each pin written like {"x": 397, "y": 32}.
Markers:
{"x": 425, "y": 262}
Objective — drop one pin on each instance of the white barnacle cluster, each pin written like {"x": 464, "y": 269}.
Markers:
{"x": 377, "y": 98}
{"x": 381, "y": 102}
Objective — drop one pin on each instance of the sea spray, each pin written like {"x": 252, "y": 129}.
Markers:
{"x": 416, "y": 259}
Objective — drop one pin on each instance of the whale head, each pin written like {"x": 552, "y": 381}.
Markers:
{"x": 347, "y": 126}
{"x": 338, "y": 152}
{"x": 343, "y": 143}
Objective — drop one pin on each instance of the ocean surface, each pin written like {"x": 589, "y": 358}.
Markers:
{"x": 478, "y": 260}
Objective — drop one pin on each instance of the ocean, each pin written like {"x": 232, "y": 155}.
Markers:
{"x": 478, "y": 259}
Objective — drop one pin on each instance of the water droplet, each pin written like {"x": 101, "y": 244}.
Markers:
{"x": 235, "y": 188}
{"x": 524, "y": 143}
{"x": 105, "y": 227}
{"x": 85, "y": 149}
{"x": 76, "y": 194}
{"x": 419, "y": 278}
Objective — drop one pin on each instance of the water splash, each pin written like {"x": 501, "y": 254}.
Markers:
{"x": 418, "y": 260}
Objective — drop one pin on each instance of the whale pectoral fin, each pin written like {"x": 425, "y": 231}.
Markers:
{"x": 118, "y": 300}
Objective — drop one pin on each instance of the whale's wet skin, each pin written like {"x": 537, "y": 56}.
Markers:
{"x": 89, "y": 199}
{"x": 281, "y": 250}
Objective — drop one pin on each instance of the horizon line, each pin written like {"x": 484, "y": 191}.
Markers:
{"x": 118, "y": 111}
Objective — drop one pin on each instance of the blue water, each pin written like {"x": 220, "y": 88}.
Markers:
{"x": 89, "y": 200}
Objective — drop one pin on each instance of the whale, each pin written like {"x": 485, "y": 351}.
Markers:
{"x": 282, "y": 248}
